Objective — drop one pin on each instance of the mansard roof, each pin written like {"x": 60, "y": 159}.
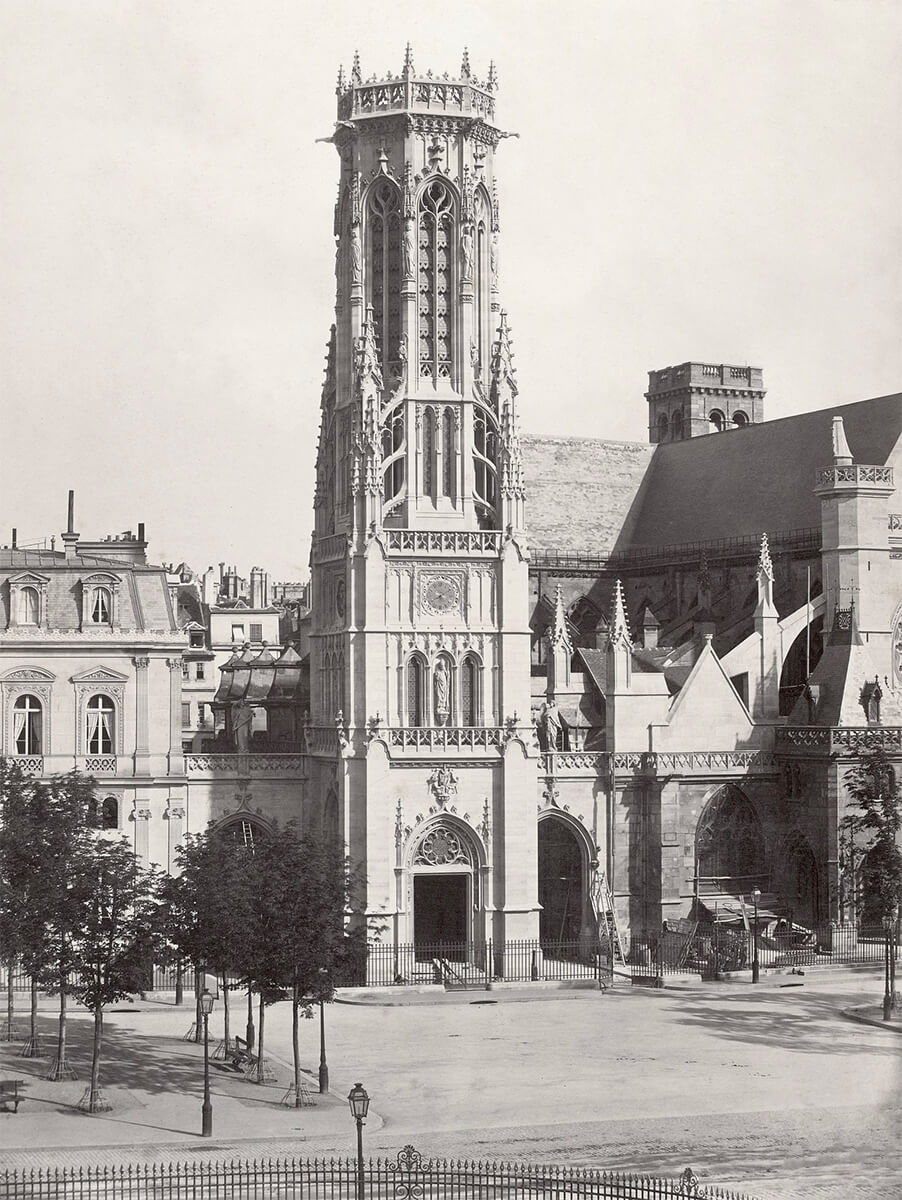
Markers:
{"x": 595, "y": 497}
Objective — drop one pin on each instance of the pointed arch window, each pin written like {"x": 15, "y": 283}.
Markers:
{"x": 394, "y": 446}
{"x": 483, "y": 283}
{"x": 415, "y": 691}
{"x": 429, "y": 453}
{"x": 469, "y": 691}
{"x": 448, "y": 453}
{"x": 435, "y": 281}
{"x": 101, "y": 720}
{"x": 384, "y": 273}
{"x": 28, "y": 717}
{"x": 485, "y": 451}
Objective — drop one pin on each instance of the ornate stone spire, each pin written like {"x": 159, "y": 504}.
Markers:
{"x": 465, "y": 65}
{"x": 503, "y": 369}
{"x": 492, "y": 81}
{"x": 407, "y": 69}
{"x": 560, "y": 634}
{"x": 618, "y": 623}
{"x": 356, "y": 76}
{"x": 368, "y": 370}
{"x": 340, "y": 85}
{"x": 765, "y": 566}
{"x": 503, "y": 398}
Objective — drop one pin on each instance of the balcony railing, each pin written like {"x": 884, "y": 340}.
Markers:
{"x": 447, "y": 737}
{"x": 854, "y": 473}
{"x": 99, "y": 764}
{"x": 426, "y": 541}
{"x": 244, "y": 764}
{"x": 840, "y": 739}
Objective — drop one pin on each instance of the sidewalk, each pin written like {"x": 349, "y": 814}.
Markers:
{"x": 153, "y": 1079}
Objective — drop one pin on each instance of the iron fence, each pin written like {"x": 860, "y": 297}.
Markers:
{"x": 478, "y": 964}
{"x": 410, "y": 1175}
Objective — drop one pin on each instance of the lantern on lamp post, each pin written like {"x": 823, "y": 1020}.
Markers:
{"x": 359, "y": 1103}
{"x": 206, "y": 1007}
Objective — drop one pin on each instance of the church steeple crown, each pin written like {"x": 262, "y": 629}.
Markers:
{"x": 420, "y": 91}
{"x": 618, "y": 624}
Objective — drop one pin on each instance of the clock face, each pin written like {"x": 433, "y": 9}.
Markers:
{"x": 340, "y": 598}
{"x": 441, "y": 595}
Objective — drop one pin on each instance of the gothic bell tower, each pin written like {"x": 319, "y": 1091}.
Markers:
{"x": 420, "y": 638}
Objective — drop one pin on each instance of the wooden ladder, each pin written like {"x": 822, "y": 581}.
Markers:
{"x": 607, "y": 917}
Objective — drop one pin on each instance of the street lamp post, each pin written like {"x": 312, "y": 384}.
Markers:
{"x": 359, "y": 1102}
{"x": 887, "y": 951}
{"x": 206, "y": 1007}
{"x": 323, "y": 1065}
{"x": 756, "y": 897}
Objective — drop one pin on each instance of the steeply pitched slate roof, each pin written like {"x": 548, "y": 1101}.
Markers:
{"x": 580, "y": 491}
{"x": 589, "y": 496}
{"x": 758, "y": 478}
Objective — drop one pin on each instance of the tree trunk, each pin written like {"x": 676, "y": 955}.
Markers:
{"x": 93, "y": 1104}
{"x": 34, "y": 1011}
{"x": 295, "y": 1045}
{"x": 249, "y": 1035}
{"x": 61, "y": 1067}
{"x": 260, "y": 1043}
{"x": 10, "y": 999}
{"x": 198, "y": 988}
{"x": 225, "y": 1011}
{"x": 179, "y": 982}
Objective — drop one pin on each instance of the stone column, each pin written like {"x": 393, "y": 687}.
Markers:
{"x": 142, "y": 832}
{"x": 175, "y": 815}
{"x": 176, "y": 757}
{"x": 142, "y": 745}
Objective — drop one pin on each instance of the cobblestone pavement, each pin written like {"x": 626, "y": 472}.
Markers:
{"x": 767, "y": 1090}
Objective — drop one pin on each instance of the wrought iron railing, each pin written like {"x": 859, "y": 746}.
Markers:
{"x": 410, "y": 1175}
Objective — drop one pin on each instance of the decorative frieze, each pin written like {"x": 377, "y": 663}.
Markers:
{"x": 442, "y": 542}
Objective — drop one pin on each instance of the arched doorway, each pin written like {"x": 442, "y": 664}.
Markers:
{"x": 801, "y": 887}
{"x": 444, "y": 884}
{"x": 563, "y": 890}
{"x": 729, "y": 845}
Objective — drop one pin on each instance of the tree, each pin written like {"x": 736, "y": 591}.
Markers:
{"x": 313, "y": 884}
{"x": 42, "y": 826}
{"x": 875, "y": 824}
{"x": 117, "y": 903}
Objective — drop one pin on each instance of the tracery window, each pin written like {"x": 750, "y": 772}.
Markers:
{"x": 27, "y": 725}
{"x": 384, "y": 274}
{"x": 415, "y": 691}
{"x": 429, "y": 452}
{"x": 485, "y": 452}
{"x": 448, "y": 453}
{"x": 393, "y": 455}
{"x": 729, "y": 842}
{"x": 101, "y": 718}
{"x": 435, "y": 281}
{"x": 469, "y": 691}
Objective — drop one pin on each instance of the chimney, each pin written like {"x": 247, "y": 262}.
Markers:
{"x": 15, "y": 532}
{"x": 650, "y": 628}
{"x": 70, "y": 537}
{"x": 257, "y": 600}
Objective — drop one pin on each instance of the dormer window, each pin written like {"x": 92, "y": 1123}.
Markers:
{"x": 101, "y": 606}
{"x": 29, "y": 606}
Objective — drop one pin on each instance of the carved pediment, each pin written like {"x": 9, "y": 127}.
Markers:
{"x": 24, "y": 578}
{"x": 100, "y": 579}
{"x": 100, "y": 675}
{"x": 28, "y": 675}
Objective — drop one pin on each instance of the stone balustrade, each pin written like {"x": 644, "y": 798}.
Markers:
{"x": 839, "y": 739}
{"x": 443, "y": 542}
{"x": 855, "y": 474}
{"x": 245, "y": 764}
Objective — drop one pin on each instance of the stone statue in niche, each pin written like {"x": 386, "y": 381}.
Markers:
{"x": 466, "y": 254}
{"x": 410, "y": 249}
{"x": 441, "y": 683}
{"x": 242, "y": 723}
{"x": 551, "y": 719}
{"x": 871, "y": 695}
{"x": 493, "y": 259}
{"x": 356, "y": 255}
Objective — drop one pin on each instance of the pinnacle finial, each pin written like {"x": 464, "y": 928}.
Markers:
{"x": 841, "y": 452}
{"x": 618, "y": 625}
{"x": 765, "y": 565}
{"x": 340, "y": 85}
{"x": 356, "y": 77}
{"x": 465, "y": 65}
{"x": 492, "y": 82}
{"x": 560, "y": 635}
{"x": 408, "y": 61}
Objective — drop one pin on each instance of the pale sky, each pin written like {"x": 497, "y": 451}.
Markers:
{"x": 700, "y": 179}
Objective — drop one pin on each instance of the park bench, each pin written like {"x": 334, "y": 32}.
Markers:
{"x": 9, "y": 1093}
{"x": 237, "y": 1056}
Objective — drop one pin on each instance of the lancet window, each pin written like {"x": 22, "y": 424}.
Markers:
{"x": 448, "y": 453}
{"x": 429, "y": 452}
{"x": 384, "y": 274}
{"x": 393, "y": 455}
{"x": 415, "y": 688}
{"x": 483, "y": 283}
{"x": 435, "y": 281}
{"x": 469, "y": 691}
{"x": 485, "y": 457}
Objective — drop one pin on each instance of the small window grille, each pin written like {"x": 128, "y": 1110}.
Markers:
{"x": 186, "y": 715}
{"x": 256, "y": 631}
